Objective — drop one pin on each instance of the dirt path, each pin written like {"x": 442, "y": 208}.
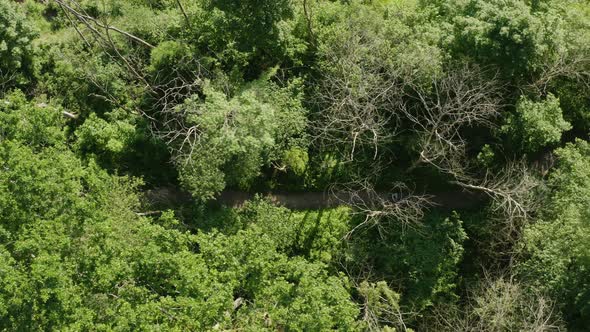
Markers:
{"x": 318, "y": 200}
{"x": 304, "y": 200}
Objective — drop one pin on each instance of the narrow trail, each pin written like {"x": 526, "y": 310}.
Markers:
{"x": 305, "y": 200}
{"x": 319, "y": 200}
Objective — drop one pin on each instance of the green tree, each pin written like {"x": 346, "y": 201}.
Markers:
{"x": 536, "y": 124}
{"x": 121, "y": 142}
{"x": 76, "y": 255}
{"x": 16, "y": 50}
{"x": 423, "y": 259}
{"x": 507, "y": 34}
{"x": 228, "y": 141}
{"x": 36, "y": 124}
{"x": 555, "y": 251}
{"x": 246, "y": 37}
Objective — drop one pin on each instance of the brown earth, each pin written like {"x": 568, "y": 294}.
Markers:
{"x": 170, "y": 196}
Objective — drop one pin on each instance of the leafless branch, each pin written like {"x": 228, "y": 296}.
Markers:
{"x": 515, "y": 194}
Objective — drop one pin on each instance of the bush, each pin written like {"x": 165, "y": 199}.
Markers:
{"x": 536, "y": 124}
{"x": 36, "y": 124}
{"x": 16, "y": 35}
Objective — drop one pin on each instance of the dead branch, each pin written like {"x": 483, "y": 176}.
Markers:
{"x": 399, "y": 204}
{"x": 70, "y": 115}
{"x": 575, "y": 67}
{"x": 512, "y": 191}
{"x": 181, "y": 7}
{"x": 89, "y": 21}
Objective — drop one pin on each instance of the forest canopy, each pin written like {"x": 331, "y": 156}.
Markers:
{"x": 294, "y": 165}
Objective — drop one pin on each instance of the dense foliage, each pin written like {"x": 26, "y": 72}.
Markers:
{"x": 294, "y": 165}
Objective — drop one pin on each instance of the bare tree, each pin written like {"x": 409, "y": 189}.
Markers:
{"x": 498, "y": 304}
{"x": 515, "y": 194}
{"x": 573, "y": 66}
{"x": 512, "y": 190}
{"x": 465, "y": 98}
{"x": 362, "y": 104}
{"x": 462, "y": 98}
{"x": 173, "y": 89}
{"x": 357, "y": 95}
